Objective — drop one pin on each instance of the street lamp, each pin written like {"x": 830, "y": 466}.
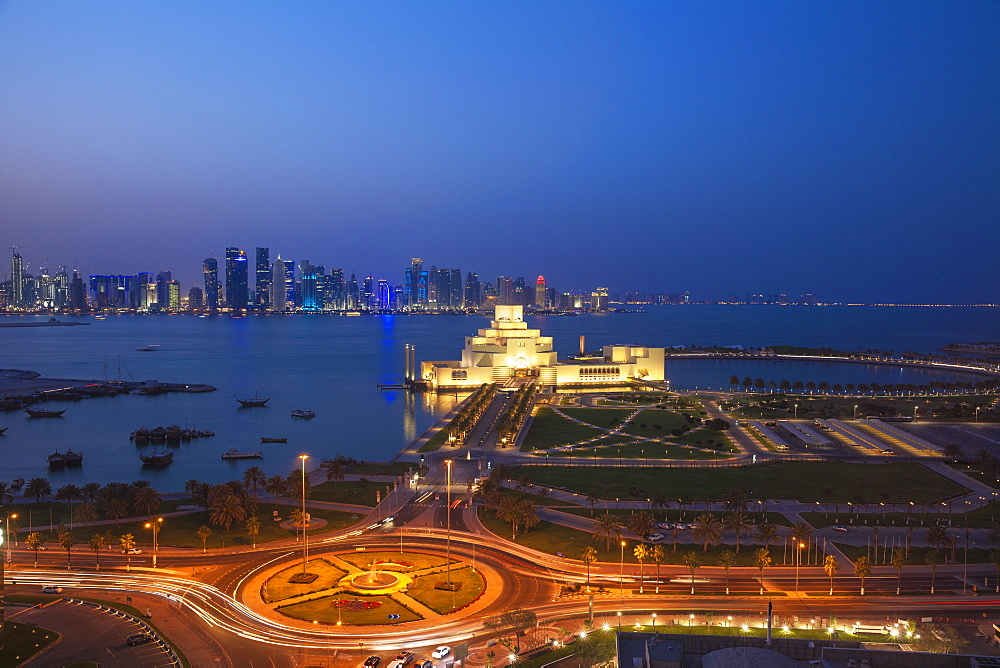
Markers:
{"x": 855, "y": 411}
{"x": 654, "y": 622}
{"x": 12, "y": 516}
{"x": 448, "y": 463}
{"x": 621, "y": 572}
{"x": 798, "y": 559}
{"x": 302, "y": 518}
{"x": 796, "y": 411}
{"x": 155, "y": 526}
{"x": 619, "y": 621}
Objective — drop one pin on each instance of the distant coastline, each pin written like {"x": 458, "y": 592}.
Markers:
{"x": 42, "y": 324}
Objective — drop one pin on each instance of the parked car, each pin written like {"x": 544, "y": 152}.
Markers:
{"x": 426, "y": 663}
{"x": 132, "y": 550}
{"x": 405, "y": 657}
{"x": 841, "y": 529}
{"x": 51, "y": 589}
{"x": 138, "y": 639}
{"x": 666, "y": 525}
{"x": 441, "y": 651}
{"x": 372, "y": 662}
{"x": 653, "y": 537}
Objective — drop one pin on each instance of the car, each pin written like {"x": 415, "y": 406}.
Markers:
{"x": 653, "y": 537}
{"x": 132, "y": 550}
{"x": 51, "y": 589}
{"x": 372, "y": 662}
{"x": 405, "y": 657}
{"x": 395, "y": 664}
{"x": 441, "y": 651}
{"x": 138, "y": 639}
{"x": 426, "y": 663}
{"x": 841, "y": 529}
{"x": 666, "y": 525}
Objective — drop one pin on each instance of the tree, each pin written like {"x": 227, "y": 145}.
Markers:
{"x": 708, "y": 530}
{"x": 514, "y": 622}
{"x": 952, "y": 451}
{"x": 717, "y": 424}
{"x": 862, "y": 569}
{"x": 38, "y": 488}
{"x": 67, "y": 540}
{"x": 641, "y": 523}
{"x": 86, "y": 513}
{"x": 146, "y": 501}
{"x": 294, "y": 481}
{"x": 939, "y": 639}
{"x": 739, "y": 524}
{"x": 335, "y": 471}
{"x": 524, "y": 484}
{"x": 657, "y": 555}
{"x": 97, "y": 543}
{"x": 735, "y": 500}
{"x": 768, "y": 534}
{"x": 91, "y": 491}
{"x": 762, "y": 559}
{"x": 588, "y": 557}
{"x": 226, "y": 509}
{"x": 608, "y": 529}
{"x": 831, "y": 566}
{"x": 276, "y": 486}
{"x": 203, "y": 533}
{"x": 727, "y": 559}
{"x": 34, "y": 541}
{"x": 641, "y": 553}
{"x": 937, "y": 536}
{"x": 592, "y": 499}
{"x": 900, "y": 558}
{"x": 933, "y": 559}
{"x": 692, "y": 561}
{"x": 6, "y": 492}
{"x": 127, "y": 542}
{"x": 116, "y": 508}
{"x": 508, "y": 511}
{"x": 191, "y": 487}
{"x": 253, "y": 528}
{"x": 255, "y": 477}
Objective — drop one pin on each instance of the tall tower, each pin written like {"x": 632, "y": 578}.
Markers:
{"x": 262, "y": 279}
{"x": 472, "y": 290}
{"x": 210, "y": 267}
{"x": 278, "y": 286}
{"x": 410, "y": 289}
{"x": 540, "y": 300}
{"x": 237, "y": 290}
{"x": 17, "y": 280}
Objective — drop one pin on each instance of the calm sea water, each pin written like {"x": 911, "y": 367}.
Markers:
{"x": 332, "y": 365}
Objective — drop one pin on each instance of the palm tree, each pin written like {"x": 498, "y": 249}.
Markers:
{"x": 762, "y": 559}
{"x": 735, "y": 500}
{"x": 500, "y": 473}
{"x": 86, "y": 513}
{"x": 661, "y": 501}
{"x": 294, "y": 481}
{"x": 900, "y": 558}
{"x": 276, "y": 486}
{"x": 657, "y": 555}
{"x": 67, "y": 540}
{"x": 591, "y": 500}
{"x": 191, "y": 487}
{"x": 937, "y": 536}
{"x": 529, "y": 513}
{"x": 588, "y": 556}
{"x": 253, "y": 528}
{"x": 524, "y": 484}
{"x": 608, "y": 529}
{"x": 740, "y": 524}
{"x": 508, "y": 511}
{"x": 708, "y": 530}
{"x": 641, "y": 523}
{"x": 116, "y": 508}
{"x": 6, "y": 492}
{"x": 69, "y": 494}
{"x": 38, "y": 488}
{"x": 641, "y": 552}
{"x": 800, "y": 533}
{"x": 862, "y": 569}
{"x": 727, "y": 559}
{"x": 692, "y": 561}
{"x": 675, "y": 538}
{"x": 203, "y": 491}
{"x": 933, "y": 559}
{"x": 768, "y": 534}
{"x": 139, "y": 484}
{"x": 97, "y": 543}
{"x": 952, "y": 451}
{"x": 995, "y": 559}
{"x": 255, "y": 477}
{"x": 203, "y": 533}
{"x": 34, "y": 541}
{"x": 127, "y": 543}
{"x": 633, "y": 494}
{"x": 91, "y": 491}
{"x": 226, "y": 509}
{"x": 335, "y": 471}
{"x": 146, "y": 501}
{"x": 831, "y": 566}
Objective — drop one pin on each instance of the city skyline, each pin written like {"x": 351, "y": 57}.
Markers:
{"x": 846, "y": 150}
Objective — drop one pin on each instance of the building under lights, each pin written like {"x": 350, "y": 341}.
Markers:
{"x": 508, "y": 348}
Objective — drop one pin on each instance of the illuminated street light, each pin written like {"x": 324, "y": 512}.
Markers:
{"x": 448, "y": 463}
{"x": 621, "y": 572}
{"x": 798, "y": 560}
{"x": 155, "y": 526}
{"x": 302, "y": 518}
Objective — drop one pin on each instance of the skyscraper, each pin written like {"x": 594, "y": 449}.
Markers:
{"x": 472, "y": 296}
{"x": 384, "y": 295}
{"x": 262, "y": 284}
{"x": 410, "y": 284}
{"x": 210, "y": 267}
{"x": 163, "y": 290}
{"x": 540, "y": 296}
{"x": 278, "y": 286}
{"x": 456, "y": 288}
{"x": 310, "y": 288}
{"x": 237, "y": 295}
{"x": 505, "y": 291}
{"x": 17, "y": 280}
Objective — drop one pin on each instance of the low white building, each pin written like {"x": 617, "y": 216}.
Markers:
{"x": 507, "y": 348}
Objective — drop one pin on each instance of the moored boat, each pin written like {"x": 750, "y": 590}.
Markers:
{"x": 301, "y": 413}
{"x": 251, "y": 403}
{"x": 233, "y": 453}
{"x": 264, "y": 439}
{"x": 58, "y": 460}
{"x": 157, "y": 458}
{"x": 39, "y": 413}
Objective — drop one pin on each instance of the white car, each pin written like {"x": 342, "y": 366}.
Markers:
{"x": 51, "y": 589}
{"x": 133, "y": 550}
{"x": 441, "y": 652}
{"x": 653, "y": 537}
{"x": 666, "y": 525}
{"x": 840, "y": 529}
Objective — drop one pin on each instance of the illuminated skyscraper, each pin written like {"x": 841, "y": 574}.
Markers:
{"x": 237, "y": 276}
{"x": 17, "y": 280}
{"x": 262, "y": 283}
{"x": 210, "y": 266}
{"x": 277, "y": 302}
{"x": 472, "y": 295}
{"x": 540, "y": 295}
{"x": 310, "y": 288}
{"x": 384, "y": 295}
{"x": 411, "y": 283}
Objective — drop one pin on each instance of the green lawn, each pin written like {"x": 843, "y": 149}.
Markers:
{"x": 548, "y": 428}
{"x": 701, "y": 437}
{"x": 443, "y": 602}
{"x": 601, "y": 417}
{"x": 555, "y": 538}
{"x": 643, "y": 450}
{"x": 380, "y": 468}
{"x": 537, "y": 499}
{"x": 435, "y": 441}
{"x": 57, "y": 512}
{"x": 805, "y": 481}
{"x": 324, "y": 610}
{"x": 980, "y": 518}
{"x": 919, "y": 554}
{"x": 278, "y": 588}
{"x": 651, "y": 418}
{"x": 180, "y": 531}
{"x": 675, "y": 515}
{"x": 419, "y": 561}
{"x": 348, "y": 491}
{"x": 23, "y": 641}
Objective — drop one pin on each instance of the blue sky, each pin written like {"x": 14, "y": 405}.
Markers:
{"x": 846, "y": 149}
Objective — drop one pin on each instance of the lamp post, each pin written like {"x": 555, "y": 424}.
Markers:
{"x": 448, "y": 463}
{"x": 621, "y": 573}
{"x": 12, "y": 516}
{"x": 855, "y": 411}
{"x": 798, "y": 560}
{"x": 155, "y": 526}
{"x": 796, "y": 411}
{"x": 914, "y": 413}
{"x": 654, "y": 622}
{"x": 619, "y": 621}
{"x": 302, "y": 518}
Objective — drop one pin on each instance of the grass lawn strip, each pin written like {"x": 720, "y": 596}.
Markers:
{"x": 605, "y": 418}
{"x": 348, "y": 491}
{"x": 23, "y": 641}
{"x": 324, "y": 610}
{"x": 641, "y": 450}
{"x": 980, "y": 518}
{"x": 278, "y": 588}
{"x": 647, "y": 421}
{"x": 555, "y": 539}
{"x": 418, "y": 560}
{"x": 443, "y": 602}
{"x": 804, "y": 481}
{"x": 549, "y": 429}
{"x": 675, "y": 515}
{"x": 181, "y": 530}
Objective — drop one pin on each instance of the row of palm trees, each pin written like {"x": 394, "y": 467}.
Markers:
{"x": 861, "y": 388}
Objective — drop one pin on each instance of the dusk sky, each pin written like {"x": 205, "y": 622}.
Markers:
{"x": 847, "y": 149}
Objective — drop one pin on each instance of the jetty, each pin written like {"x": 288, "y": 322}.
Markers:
{"x": 232, "y": 453}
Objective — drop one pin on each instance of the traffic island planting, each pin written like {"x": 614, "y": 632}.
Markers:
{"x": 284, "y": 585}
{"x": 23, "y": 641}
